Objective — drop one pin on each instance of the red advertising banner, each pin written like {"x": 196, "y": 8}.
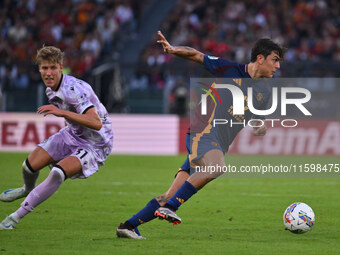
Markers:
{"x": 133, "y": 134}
{"x": 307, "y": 138}
{"x": 165, "y": 135}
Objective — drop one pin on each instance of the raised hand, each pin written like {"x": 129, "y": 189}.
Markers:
{"x": 166, "y": 45}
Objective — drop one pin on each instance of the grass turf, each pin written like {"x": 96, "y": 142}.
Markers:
{"x": 228, "y": 216}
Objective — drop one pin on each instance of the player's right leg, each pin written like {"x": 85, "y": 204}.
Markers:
{"x": 129, "y": 228}
{"x": 64, "y": 169}
{"x": 194, "y": 183}
{"x": 38, "y": 159}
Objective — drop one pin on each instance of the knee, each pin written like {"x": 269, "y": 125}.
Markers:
{"x": 57, "y": 174}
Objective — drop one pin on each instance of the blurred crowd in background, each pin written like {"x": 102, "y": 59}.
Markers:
{"x": 310, "y": 29}
{"x": 88, "y": 31}
{"x": 84, "y": 29}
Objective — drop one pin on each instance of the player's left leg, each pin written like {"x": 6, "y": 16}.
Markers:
{"x": 129, "y": 228}
{"x": 38, "y": 159}
{"x": 66, "y": 168}
{"x": 194, "y": 183}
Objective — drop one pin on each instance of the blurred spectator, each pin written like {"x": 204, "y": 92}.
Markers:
{"x": 107, "y": 27}
{"x": 18, "y": 32}
{"x": 91, "y": 44}
{"x": 21, "y": 80}
{"x": 123, "y": 13}
{"x": 140, "y": 81}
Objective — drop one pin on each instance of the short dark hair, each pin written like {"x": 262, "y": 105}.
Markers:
{"x": 265, "y": 47}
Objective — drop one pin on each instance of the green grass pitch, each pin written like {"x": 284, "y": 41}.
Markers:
{"x": 229, "y": 216}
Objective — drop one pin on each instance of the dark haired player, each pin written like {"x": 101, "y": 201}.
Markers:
{"x": 206, "y": 145}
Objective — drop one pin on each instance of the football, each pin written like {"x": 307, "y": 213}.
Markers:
{"x": 298, "y": 218}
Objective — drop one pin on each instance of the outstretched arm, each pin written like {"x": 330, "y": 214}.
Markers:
{"x": 181, "y": 51}
{"x": 89, "y": 119}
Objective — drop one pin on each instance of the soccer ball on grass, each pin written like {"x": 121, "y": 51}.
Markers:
{"x": 298, "y": 218}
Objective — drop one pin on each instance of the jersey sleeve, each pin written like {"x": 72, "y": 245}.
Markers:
{"x": 78, "y": 98}
{"x": 217, "y": 66}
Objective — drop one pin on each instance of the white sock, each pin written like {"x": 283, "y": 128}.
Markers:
{"x": 15, "y": 217}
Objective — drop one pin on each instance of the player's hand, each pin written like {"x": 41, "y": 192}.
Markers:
{"x": 50, "y": 109}
{"x": 260, "y": 131}
{"x": 166, "y": 45}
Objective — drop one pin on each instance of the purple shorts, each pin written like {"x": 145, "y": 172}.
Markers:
{"x": 64, "y": 144}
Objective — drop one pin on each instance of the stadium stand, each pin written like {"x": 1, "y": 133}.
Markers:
{"x": 86, "y": 30}
{"x": 137, "y": 76}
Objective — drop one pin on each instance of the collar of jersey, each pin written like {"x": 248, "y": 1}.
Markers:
{"x": 61, "y": 80}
